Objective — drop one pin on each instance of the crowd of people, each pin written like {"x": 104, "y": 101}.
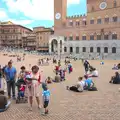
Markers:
{"x": 29, "y": 81}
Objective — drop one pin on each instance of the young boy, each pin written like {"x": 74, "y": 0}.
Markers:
{"x": 46, "y": 97}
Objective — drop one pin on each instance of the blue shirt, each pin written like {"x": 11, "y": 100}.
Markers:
{"x": 46, "y": 95}
{"x": 88, "y": 81}
{"x": 10, "y": 73}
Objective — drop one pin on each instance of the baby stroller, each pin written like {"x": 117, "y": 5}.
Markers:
{"x": 21, "y": 90}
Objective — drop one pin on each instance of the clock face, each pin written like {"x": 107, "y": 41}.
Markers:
{"x": 58, "y": 16}
{"x": 103, "y": 5}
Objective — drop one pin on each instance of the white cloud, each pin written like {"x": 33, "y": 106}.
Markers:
{"x": 3, "y": 15}
{"x": 35, "y": 9}
{"x": 70, "y": 2}
{"x": 21, "y": 22}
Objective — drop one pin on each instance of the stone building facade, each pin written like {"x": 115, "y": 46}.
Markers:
{"x": 42, "y": 38}
{"x": 29, "y": 41}
{"x": 11, "y": 34}
{"x": 101, "y": 25}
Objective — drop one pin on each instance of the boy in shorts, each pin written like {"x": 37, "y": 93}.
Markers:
{"x": 46, "y": 97}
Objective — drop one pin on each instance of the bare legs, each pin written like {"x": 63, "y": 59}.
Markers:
{"x": 31, "y": 102}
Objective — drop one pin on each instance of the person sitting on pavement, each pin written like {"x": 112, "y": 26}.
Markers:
{"x": 57, "y": 78}
{"x": 79, "y": 87}
{"x": 88, "y": 82}
{"x": 4, "y": 104}
{"x": 115, "y": 79}
{"x": 115, "y": 67}
{"x": 48, "y": 80}
{"x": 94, "y": 73}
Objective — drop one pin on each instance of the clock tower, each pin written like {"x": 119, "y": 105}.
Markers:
{"x": 60, "y": 13}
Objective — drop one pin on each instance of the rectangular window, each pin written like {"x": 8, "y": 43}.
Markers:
{"x": 77, "y": 49}
{"x": 83, "y": 37}
{"x": 91, "y": 21}
{"x": 84, "y": 49}
{"x": 91, "y": 49}
{"x": 99, "y": 21}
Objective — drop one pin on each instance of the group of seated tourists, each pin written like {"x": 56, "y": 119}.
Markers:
{"x": 115, "y": 79}
{"x": 82, "y": 85}
{"x": 60, "y": 76}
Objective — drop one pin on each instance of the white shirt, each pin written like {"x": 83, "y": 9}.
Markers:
{"x": 82, "y": 85}
{"x": 95, "y": 73}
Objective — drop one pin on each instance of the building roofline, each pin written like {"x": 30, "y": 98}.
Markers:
{"x": 16, "y": 25}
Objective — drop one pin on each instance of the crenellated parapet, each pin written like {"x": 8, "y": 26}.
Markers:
{"x": 76, "y": 17}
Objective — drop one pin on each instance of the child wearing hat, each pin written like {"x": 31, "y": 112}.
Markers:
{"x": 46, "y": 97}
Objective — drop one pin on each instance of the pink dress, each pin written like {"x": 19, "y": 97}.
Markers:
{"x": 34, "y": 88}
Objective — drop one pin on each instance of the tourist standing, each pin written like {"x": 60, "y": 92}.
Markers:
{"x": 33, "y": 88}
{"x": 46, "y": 97}
{"x": 10, "y": 76}
{"x": 86, "y": 66}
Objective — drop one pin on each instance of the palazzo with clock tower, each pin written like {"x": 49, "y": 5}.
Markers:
{"x": 96, "y": 32}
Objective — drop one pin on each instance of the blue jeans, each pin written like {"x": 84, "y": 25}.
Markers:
{"x": 21, "y": 94}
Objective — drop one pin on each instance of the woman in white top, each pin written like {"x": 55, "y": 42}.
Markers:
{"x": 94, "y": 73}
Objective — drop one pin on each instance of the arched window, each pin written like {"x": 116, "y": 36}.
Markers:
{"x": 92, "y": 21}
{"x": 84, "y": 37}
{"x": 71, "y": 49}
{"x": 99, "y": 20}
{"x": 77, "y": 49}
{"x": 114, "y": 36}
{"x": 91, "y": 49}
{"x": 65, "y": 38}
{"x": 106, "y": 37}
{"x": 65, "y": 49}
{"x": 113, "y": 49}
{"x": 98, "y": 50}
{"x": 77, "y": 37}
{"x": 98, "y": 37}
{"x": 84, "y": 49}
{"x": 84, "y": 22}
{"x": 107, "y": 19}
{"x": 77, "y": 22}
{"x": 106, "y": 50}
{"x": 91, "y": 37}
{"x": 71, "y": 23}
{"x": 71, "y": 37}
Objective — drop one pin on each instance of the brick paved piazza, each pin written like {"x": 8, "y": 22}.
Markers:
{"x": 65, "y": 105}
